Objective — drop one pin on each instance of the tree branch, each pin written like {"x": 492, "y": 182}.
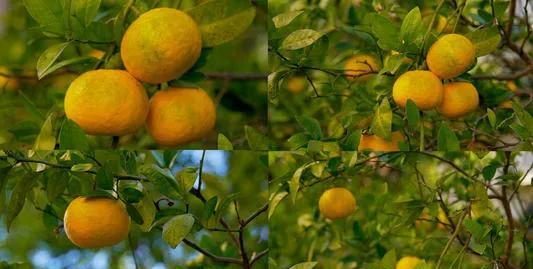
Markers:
{"x": 211, "y": 255}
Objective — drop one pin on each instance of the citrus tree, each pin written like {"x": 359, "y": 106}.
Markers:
{"x": 400, "y": 75}
{"x": 401, "y": 210}
{"x": 92, "y": 74}
{"x": 126, "y": 209}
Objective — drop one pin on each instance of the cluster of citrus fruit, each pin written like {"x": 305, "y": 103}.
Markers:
{"x": 339, "y": 203}
{"x": 450, "y": 56}
{"x": 160, "y": 45}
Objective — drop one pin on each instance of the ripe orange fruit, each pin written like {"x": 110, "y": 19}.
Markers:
{"x": 357, "y": 67}
{"x": 94, "y": 222}
{"x": 297, "y": 84}
{"x": 7, "y": 82}
{"x": 180, "y": 115}
{"x": 460, "y": 98}
{"x": 161, "y": 45}
{"x": 376, "y": 143}
{"x": 337, "y": 203}
{"x": 450, "y": 56}
{"x": 107, "y": 102}
{"x": 408, "y": 262}
{"x": 422, "y": 87}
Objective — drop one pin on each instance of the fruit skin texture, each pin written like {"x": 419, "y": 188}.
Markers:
{"x": 376, "y": 143}
{"x": 297, "y": 84}
{"x": 450, "y": 56}
{"x": 460, "y": 98}
{"x": 337, "y": 203}
{"x": 7, "y": 83}
{"x": 95, "y": 222}
{"x": 361, "y": 64}
{"x": 107, "y": 102}
{"x": 161, "y": 45}
{"x": 422, "y": 87}
{"x": 180, "y": 115}
{"x": 408, "y": 262}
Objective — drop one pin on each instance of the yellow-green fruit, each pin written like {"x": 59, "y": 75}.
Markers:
{"x": 376, "y": 143}
{"x": 422, "y": 87}
{"x": 337, "y": 203}
{"x": 408, "y": 262}
{"x": 95, "y": 222}
{"x": 450, "y": 56}
{"x": 297, "y": 84}
{"x": 180, "y": 115}
{"x": 161, "y": 45}
{"x": 359, "y": 67}
{"x": 107, "y": 102}
{"x": 460, "y": 99}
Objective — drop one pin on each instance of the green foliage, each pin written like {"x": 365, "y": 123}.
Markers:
{"x": 408, "y": 204}
{"x": 314, "y": 40}
{"x": 166, "y": 198}
{"x": 49, "y": 43}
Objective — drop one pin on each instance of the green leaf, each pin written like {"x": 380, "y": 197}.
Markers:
{"x": 294, "y": 184}
{"x": 224, "y": 143}
{"x": 175, "y": 230}
{"x": 274, "y": 81}
{"x": 147, "y": 210}
{"x": 163, "y": 179}
{"x": 492, "y": 117}
{"x": 486, "y": 40}
{"x": 413, "y": 114}
{"x": 387, "y": 33}
{"x": 489, "y": 171}
{"x": 104, "y": 177}
{"x": 447, "y": 141}
{"x": 209, "y": 208}
{"x": 134, "y": 214}
{"x": 300, "y": 39}
{"x": 221, "y": 21}
{"x": 311, "y": 126}
{"x": 382, "y": 123}
{"x": 256, "y": 140}
{"x": 56, "y": 184}
{"x": 298, "y": 141}
{"x": 72, "y": 136}
{"x": 4, "y": 172}
{"x": 18, "y": 197}
{"x": 389, "y": 260}
{"x": 304, "y": 265}
{"x": 81, "y": 167}
{"x": 186, "y": 178}
{"x": 48, "y": 58}
{"x": 351, "y": 142}
{"x": 410, "y": 32}
{"x": 286, "y": 18}
{"x": 274, "y": 202}
{"x": 224, "y": 203}
{"x": 85, "y": 10}
{"x": 132, "y": 195}
{"x": 524, "y": 117}
{"x": 46, "y": 140}
{"x": 48, "y": 13}
{"x": 76, "y": 60}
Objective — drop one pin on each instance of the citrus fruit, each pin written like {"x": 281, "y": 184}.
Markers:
{"x": 107, "y": 102}
{"x": 161, "y": 45}
{"x": 358, "y": 67}
{"x": 297, "y": 84}
{"x": 376, "y": 143}
{"x": 422, "y": 87}
{"x": 180, "y": 115}
{"x": 94, "y": 222}
{"x": 408, "y": 262}
{"x": 7, "y": 82}
{"x": 336, "y": 203}
{"x": 460, "y": 98}
{"x": 450, "y": 56}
